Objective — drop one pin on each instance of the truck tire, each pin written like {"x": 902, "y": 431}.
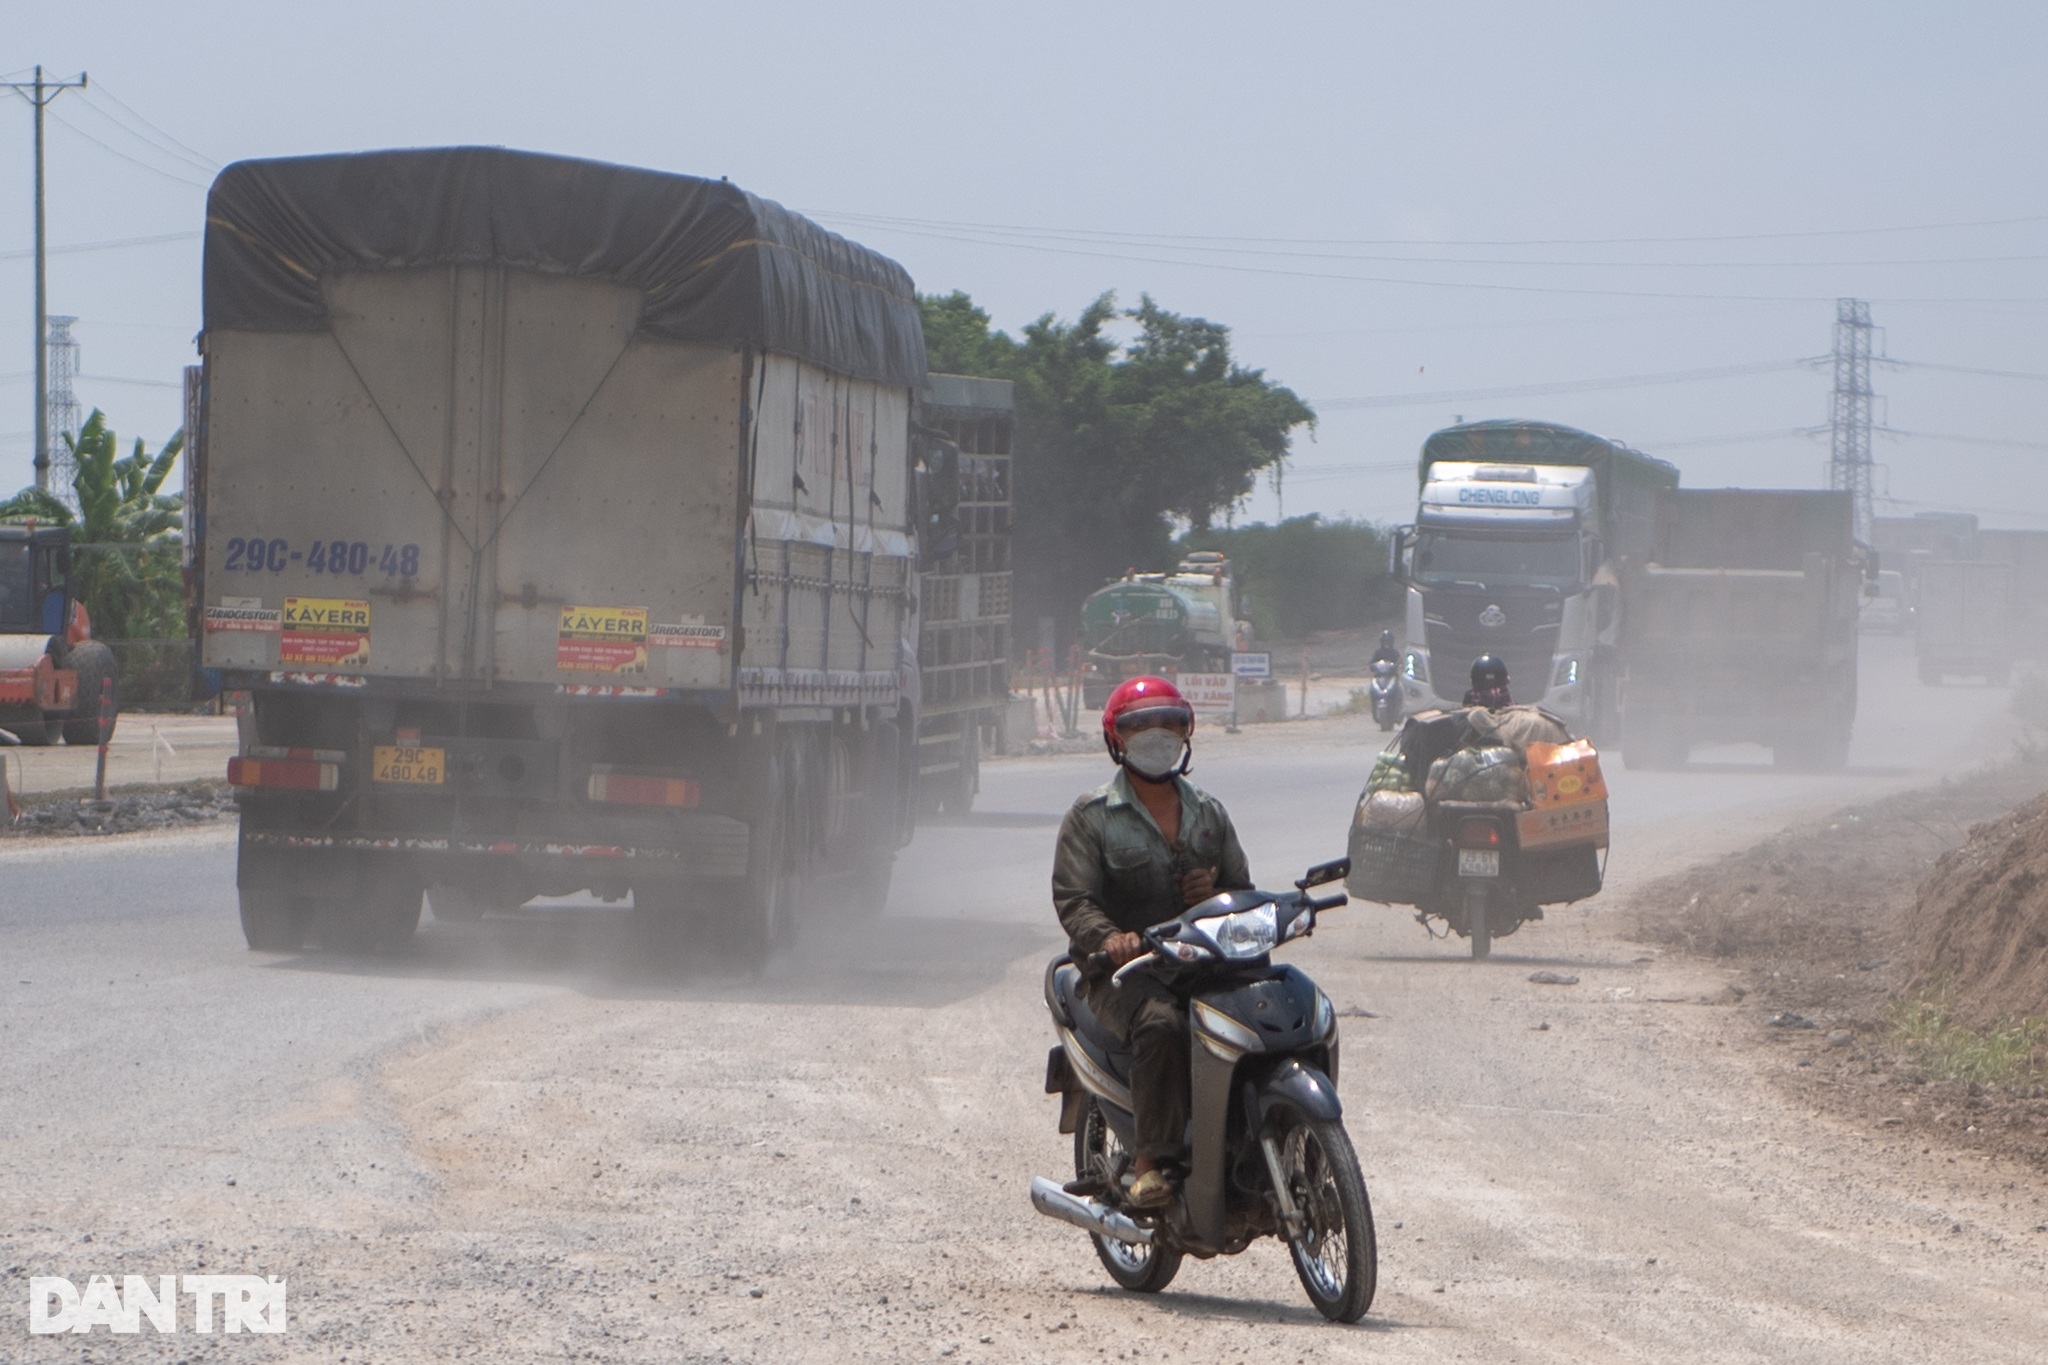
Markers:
{"x": 773, "y": 894}
{"x": 382, "y": 918}
{"x": 94, "y": 664}
{"x": 273, "y": 921}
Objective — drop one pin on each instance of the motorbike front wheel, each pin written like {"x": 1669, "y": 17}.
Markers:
{"x": 1336, "y": 1257}
{"x": 1099, "y": 1156}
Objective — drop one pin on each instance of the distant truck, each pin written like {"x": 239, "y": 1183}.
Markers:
{"x": 1966, "y": 621}
{"x": 965, "y": 430}
{"x": 2027, "y": 553}
{"x": 1184, "y": 621}
{"x": 558, "y": 524}
{"x": 1517, "y": 550}
{"x": 51, "y": 669}
{"x": 1742, "y": 627}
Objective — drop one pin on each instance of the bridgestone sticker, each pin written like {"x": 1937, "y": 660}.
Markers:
{"x": 602, "y": 640}
{"x": 258, "y": 619}
{"x": 330, "y": 631}
{"x": 688, "y": 635}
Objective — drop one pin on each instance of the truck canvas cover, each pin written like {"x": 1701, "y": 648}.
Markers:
{"x": 483, "y": 419}
{"x": 712, "y": 262}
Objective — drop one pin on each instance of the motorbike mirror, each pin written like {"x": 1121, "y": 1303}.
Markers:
{"x": 1335, "y": 870}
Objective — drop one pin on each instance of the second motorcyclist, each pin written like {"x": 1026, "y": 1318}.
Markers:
{"x": 1134, "y": 852}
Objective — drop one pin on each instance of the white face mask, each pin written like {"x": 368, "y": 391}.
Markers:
{"x": 1154, "y": 753}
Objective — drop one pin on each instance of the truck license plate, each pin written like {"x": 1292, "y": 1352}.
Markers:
{"x": 409, "y": 765}
{"x": 1478, "y": 862}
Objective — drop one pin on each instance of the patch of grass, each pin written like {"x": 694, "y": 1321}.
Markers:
{"x": 1359, "y": 703}
{"x": 2004, "y": 1058}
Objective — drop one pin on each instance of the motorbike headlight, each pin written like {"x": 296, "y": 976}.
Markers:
{"x": 1246, "y": 934}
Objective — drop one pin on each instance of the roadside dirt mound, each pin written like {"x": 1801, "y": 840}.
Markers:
{"x": 1982, "y": 920}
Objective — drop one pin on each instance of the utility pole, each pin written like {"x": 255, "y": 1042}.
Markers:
{"x": 1849, "y": 466}
{"x": 39, "y": 93}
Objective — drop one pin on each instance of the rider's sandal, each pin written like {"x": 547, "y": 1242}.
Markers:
{"x": 1152, "y": 1190}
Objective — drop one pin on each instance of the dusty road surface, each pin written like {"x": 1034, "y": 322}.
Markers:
{"x": 526, "y": 1142}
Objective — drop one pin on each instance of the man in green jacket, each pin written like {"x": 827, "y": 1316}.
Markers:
{"x": 1133, "y": 853}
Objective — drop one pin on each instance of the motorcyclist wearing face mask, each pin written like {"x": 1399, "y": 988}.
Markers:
{"x": 1136, "y": 851}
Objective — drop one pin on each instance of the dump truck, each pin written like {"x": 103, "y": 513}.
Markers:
{"x": 967, "y": 427}
{"x": 52, "y": 672}
{"x": 1965, "y": 626}
{"x": 1742, "y": 627}
{"x": 1162, "y": 623}
{"x": 1519, "y": 542}
{"x": 560, "y": 534}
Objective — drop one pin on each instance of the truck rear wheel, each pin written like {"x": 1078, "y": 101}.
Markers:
{"x": 773, "y": 893}
{"x": 94, "y": 663}
{"x": 272, "y": 921}
{"x": 30, "y": 728}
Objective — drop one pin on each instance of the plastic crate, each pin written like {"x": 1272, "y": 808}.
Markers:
{"x": 1392, "y": 866}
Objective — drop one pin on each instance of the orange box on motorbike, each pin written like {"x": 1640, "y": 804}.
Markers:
{"x": 1582, "y": 822}
{"x": 1565, "y": 774}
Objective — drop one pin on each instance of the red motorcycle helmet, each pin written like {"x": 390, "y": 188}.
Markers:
{"x": 1139, "y": 703}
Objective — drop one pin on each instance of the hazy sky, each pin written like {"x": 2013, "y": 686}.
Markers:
{"x": 1380, "y": 200}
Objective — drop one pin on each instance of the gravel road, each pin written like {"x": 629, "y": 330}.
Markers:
{"x": 525, "y": 1141}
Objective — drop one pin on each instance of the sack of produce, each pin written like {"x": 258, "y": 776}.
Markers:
{"x": 1492, "y": 772}
{"x": 1517, "y": 727}
{"x": 1390, "y": 773}
{"x": 1390, "y": 810}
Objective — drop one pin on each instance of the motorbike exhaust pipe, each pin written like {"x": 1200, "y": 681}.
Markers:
{"x": 1052, "y": 1201}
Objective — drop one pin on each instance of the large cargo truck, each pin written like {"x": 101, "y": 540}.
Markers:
{"x": 1965, "y": 626}
{"x": 559, "y": 530}
{"x": 966, "y": 427}
{"x": 1742, "y": 627}
{"x": 1518, "y": 547}
{"x": 2026, "y": 552}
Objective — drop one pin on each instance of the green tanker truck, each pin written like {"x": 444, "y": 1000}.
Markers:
{"x": 1167, "y": 623}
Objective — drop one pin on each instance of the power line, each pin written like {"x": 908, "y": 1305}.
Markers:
{"x": 1962, "y": 369}
{"x": 1962, "y": 440}
{"x": 199, "y": 159}
{"x": 1027, "y": 238}
{"x": 131, "y": 160}
{"x": 111, "y": 244}
{"x": 1715, "y": 297}
{"x": 1398, "y": 400}
{"x": 1447, "y": 242}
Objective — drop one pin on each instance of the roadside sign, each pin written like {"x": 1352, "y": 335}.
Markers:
{"x": 1211, "y": 694}
{"x": 1251, "y": 665}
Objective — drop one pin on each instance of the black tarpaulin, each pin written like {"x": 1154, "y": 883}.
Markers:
{"x": 716, "y": 264}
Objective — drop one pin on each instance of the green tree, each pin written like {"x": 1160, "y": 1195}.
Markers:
{"x": 1116, "y": 444}
{"x": 1306, "y": 574}
{"x": 127, "y": 544}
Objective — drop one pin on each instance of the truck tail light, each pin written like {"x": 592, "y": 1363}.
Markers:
{"x": 617, "y": 788}
{"x": 1478, "y": 834}
{"x": 295, "y": 774}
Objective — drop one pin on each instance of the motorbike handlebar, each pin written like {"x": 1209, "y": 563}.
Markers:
{"x": 1321, "y": 903}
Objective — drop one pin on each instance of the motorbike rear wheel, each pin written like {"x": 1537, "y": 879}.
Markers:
{"x": 1099, "y": 1156}
{"x": 1337, "y": 1257}
{"x": 1479, "y": 921}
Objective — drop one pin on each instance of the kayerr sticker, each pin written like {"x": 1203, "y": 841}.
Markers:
{"x": 330, "y": 631}
{"x": 602, "y": 640}
{"x": 686, "y": 635}
{"x": 243, "y": 613}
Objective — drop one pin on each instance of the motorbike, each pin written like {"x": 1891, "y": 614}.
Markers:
{"x": 1269, "y": 1152}
{"x": 1384, "y": 691}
